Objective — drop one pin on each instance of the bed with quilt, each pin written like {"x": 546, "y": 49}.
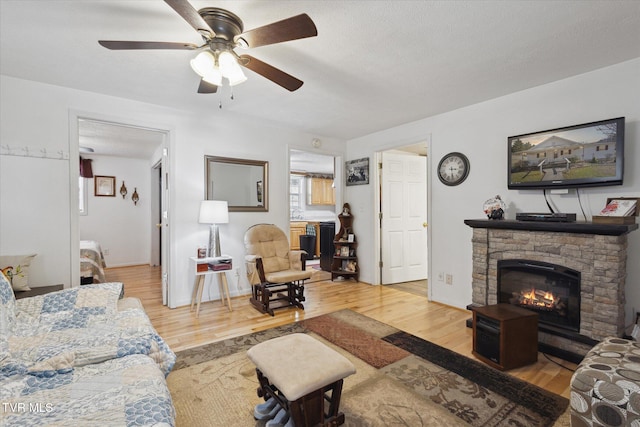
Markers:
{"x": 81, "y": 357}
{"x": 92, "y": 263}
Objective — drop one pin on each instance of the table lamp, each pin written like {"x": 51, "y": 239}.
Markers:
{"x": 214, "y": 212}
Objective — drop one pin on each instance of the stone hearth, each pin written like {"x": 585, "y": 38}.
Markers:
{"x": 598, "y": 252}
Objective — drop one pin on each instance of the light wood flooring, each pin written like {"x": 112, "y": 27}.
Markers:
{"x": 435, "y": 322}
{"x": 417, "y": 287}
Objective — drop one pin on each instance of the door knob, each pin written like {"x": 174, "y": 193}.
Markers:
{"x": 424, "y": 224}
{"x": 158, "y": 225}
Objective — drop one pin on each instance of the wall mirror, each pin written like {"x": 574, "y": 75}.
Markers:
{"x": 244, "y": 184}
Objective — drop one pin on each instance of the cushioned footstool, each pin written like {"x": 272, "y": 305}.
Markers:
{"x": 303, "y": 376}
{"x": 605, "y": 389}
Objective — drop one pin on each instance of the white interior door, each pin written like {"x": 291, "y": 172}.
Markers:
{"x": 156, "y": 214}
{"x": 404, "y": 218}
{"x": 164, "y": 225}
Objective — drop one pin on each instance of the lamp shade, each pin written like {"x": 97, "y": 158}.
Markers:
{"x": 214, "y": 212}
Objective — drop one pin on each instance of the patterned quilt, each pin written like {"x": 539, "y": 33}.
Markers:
{"x": 128, "y": 391}
{"x": 74, "y": 346}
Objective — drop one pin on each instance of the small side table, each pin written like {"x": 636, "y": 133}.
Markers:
{"x": 198, "y": 285}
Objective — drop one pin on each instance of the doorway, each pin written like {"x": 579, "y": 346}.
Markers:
{"x": 313, "y": 197}
{"x": 132, "y": 159}
{"x": 402, "y": 207}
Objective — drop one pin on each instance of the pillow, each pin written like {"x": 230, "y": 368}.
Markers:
{"x": 16, "y": 269}
{"x": 7, "y": 310}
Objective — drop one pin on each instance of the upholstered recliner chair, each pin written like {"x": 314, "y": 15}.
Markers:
{"x": 276, "y": 273}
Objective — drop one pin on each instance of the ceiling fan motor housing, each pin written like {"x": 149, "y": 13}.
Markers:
{"x": 225, "y": 24}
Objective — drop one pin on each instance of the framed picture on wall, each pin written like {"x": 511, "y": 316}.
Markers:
{"x": 357, "y": 171}
{"x": 104, "y": 186}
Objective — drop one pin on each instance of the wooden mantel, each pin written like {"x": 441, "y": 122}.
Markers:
{"x": 557, "y": 227}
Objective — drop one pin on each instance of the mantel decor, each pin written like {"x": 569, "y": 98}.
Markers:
{"x": 105, "y": 186}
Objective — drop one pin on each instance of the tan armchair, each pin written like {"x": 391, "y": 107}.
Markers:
{"x": 276, "y": 273}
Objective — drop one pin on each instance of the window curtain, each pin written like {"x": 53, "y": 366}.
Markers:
{"x": 85, "y": 168}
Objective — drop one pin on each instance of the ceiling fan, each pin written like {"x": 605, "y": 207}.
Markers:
{"x": 223, "y": 31}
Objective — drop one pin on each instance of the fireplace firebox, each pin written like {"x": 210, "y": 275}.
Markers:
{"x": 552, "y": 291}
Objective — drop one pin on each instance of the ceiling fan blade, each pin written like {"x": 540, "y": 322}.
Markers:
{"x": 191, "y": 15}
{"x": 124, "y": 45}
{"x": 207, "y": 87}
{"x": 277, "y": 76}
{"x": 296, "y": 27}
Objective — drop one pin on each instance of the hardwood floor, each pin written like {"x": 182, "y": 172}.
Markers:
{"x": 435, "y": 322}
{"x": 418, "y": 287}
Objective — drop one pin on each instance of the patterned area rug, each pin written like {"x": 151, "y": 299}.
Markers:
{"x": 401, "y": 380}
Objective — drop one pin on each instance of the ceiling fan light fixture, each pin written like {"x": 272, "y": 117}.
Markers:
{"x": 237, "y": 76}
{"x": 213, "y": 76}
{"x": 227, "y": 63}
{"x": 203, "y": 63}
{"x": 230, "y": 68}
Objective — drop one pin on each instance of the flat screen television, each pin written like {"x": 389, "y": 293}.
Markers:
{"x": 589, "y": 155}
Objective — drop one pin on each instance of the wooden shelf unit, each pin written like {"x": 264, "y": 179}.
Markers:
{"x": 340, "y": 259}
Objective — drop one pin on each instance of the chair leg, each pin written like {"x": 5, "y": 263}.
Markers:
{"x": 262, "y": 296}
{"x": 298, "y": 294}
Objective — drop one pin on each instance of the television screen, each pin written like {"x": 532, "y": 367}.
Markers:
{"x": 590, "y": 154}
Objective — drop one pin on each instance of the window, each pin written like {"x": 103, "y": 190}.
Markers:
{"x": 295, "y": 198}
{"x": 82, "y": 195}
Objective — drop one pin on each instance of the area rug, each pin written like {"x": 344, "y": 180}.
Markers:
{"x": 401, "y": 380}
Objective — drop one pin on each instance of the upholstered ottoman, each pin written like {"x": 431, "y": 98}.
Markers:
{"x": 303, "y": 376}
{"x": 605, "y": 389}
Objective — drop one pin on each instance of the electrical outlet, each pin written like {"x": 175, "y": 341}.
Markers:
{"x": 449, "y": 279}
{"x": 105, "y": 251}
{"x": 441, "y": 277}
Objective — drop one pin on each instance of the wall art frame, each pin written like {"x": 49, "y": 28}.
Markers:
{"x": 357, "y": 171}
{"x": 104, "y": 186}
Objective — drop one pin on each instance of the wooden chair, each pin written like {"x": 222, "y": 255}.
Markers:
{"x": 276, "y": 273}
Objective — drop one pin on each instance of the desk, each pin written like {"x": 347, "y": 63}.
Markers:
{"x": 198, "y": 285}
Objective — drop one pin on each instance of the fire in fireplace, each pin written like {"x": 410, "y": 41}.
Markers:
{"x": 551, "y": 290}
{"x": 541, "y": 300}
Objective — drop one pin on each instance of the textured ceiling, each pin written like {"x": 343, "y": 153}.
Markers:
{"x": 374, "y": 64}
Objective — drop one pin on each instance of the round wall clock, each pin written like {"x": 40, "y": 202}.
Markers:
{"x": 453, "y": 168}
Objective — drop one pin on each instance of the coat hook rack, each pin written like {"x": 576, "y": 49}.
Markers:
{"x": 37, "y": 153}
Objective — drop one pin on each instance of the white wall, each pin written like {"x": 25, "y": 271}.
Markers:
{"x": 122, "y": 228}
{"x": 34, "y": 114}
{"x": 480, "y": 131}
{"x": 30, "y": 223}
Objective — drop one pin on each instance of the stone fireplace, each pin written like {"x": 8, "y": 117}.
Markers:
{"x": 594, "y": 253}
